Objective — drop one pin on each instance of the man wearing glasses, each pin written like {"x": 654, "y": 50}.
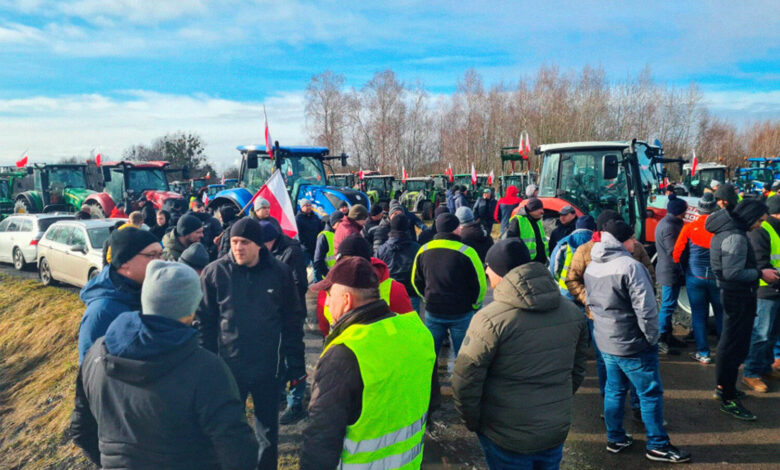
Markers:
{"x": 117, "y": 288}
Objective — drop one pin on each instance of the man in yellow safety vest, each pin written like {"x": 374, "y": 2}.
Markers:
{"x": 324, "y": 249}
{"x": 529, "y": 229}
{"x": 372, "y": 385}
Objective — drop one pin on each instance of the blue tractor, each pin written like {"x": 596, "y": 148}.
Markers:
{"x": 303, "y": 169}
{"x": 755, "y": 181}
{"x": 772, "y": 163}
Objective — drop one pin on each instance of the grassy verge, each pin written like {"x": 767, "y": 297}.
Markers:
{"x": 38, "y": 366}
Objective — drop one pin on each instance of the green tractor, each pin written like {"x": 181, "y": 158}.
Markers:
{"x": 380, "y": 189}
{"x": 342, "y": 180}
{"x": 421, "y": 196}
{"x": 55, "y": 187}
{"x": 8, "y": 180}
{"x": 517, "y": 179}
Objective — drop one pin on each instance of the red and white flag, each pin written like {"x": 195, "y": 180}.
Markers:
{"x": 473, "y": 175}
{"x": 275, "y": 192}
{"x": 449, "y": 173}
{"x": 205, "y": 198}
{"x": 527, "y": 148}
{"x": 694, "y": 164}
{"x": 98, "y": 156}
{"x": 520, "y": 146}
{"x": 403, "y": 174}
{"x": 490, "y": 177}
{"x": 223, "y": 179}
{"x": 23, "y": 158}
{"x": 269, "y": 144}
{"x": 361, "y": 173}
{"x": 208, "y": 175}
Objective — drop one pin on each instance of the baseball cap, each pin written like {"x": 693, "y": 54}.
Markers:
{"x": 353, "y": 272}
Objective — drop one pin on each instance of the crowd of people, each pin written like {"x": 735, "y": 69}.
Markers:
{"x": 191, "y": 317}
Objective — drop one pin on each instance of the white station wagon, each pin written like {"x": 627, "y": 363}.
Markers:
{"x": 72, "y": 251}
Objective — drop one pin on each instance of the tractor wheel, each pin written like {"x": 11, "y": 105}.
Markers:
{"x": 427, "y": 210}
{"x": 22, "y": 206}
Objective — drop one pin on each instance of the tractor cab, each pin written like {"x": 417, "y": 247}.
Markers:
{"x": 519, "y": 179}
{"x": 55, "y": 187}
{"x": 129, "y": 185}
{"x": 771, "y": 163}
{"x": 303, "y": 171}
{"x": 474, "y": 190}
{"x": 8, "y": 184}
{"x": 342, "y": 180}
{"x": 421, "y": 196}
{"x": 379, "y": 188}
{"x": 705, "y": 174}
{"x": 754, "y": 181}
{"x": 596, "y": 176}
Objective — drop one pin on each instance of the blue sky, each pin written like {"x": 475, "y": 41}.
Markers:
{"x": 87, "y": 73}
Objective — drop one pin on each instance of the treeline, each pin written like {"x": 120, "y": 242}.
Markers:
{"x": 387, "y": 124}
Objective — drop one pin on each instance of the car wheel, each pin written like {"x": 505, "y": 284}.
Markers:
{"x": 44, "y": 272}
{"x": 92, "y": 274}
{"x": 18, "y": 259}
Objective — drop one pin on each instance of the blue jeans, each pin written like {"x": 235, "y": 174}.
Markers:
{"x": 456, "y": 326}
{"x": 702, "y": 293}
{"x": 415, "y": 303}
{"x": 669, "y": 295}
{"x": 601, "y": 371}
{"x": 641, "y": 370}
{"x": 502, "y": 459}
{"x": 766, "y": 333}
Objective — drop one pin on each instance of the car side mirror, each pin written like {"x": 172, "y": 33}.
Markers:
{"x": 251, "y": 160}
{"x": 79, "y": 249}
{"x": 609, "y": 167}
{"x": 106, "y": 174}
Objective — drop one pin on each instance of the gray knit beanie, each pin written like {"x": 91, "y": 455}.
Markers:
{"x": 171, "y": 290}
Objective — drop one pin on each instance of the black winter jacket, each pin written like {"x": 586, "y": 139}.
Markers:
{"x": 476, "y": 236}
{"x": 337, "y": 393}
{"x": 251, "y": 317}
{"x": 290, "y": 252}
{"x": 398, "y": 254}
{"x": 483, "y": 212}
{"x": 309, "y": 225}
{"x": 731, "y": 254}
{"x": 667, "y": 272}
{"x": 160, "y": 401}
{"x": 760, "y": 240}
{"x": 446, "y": 279}
{"x": 561, "y": 231}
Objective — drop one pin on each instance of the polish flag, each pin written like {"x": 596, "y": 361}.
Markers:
{"x": 208, "y": 175}
{"x": 527, "y": 148}
{"x": 694, "y": 164}
{"x": 269, "y": 146}
{"x": 449, "y": 173}
{"x": 205, "y": 198}
{"x": 490, "y": 177}
{"x": 98, "y": 159}
{"x": 403, "y": 174}
{"x": 521, "y": 147}
{"x": 23, "y": 158}
{"x": 275, "y": 192}
{"x": 473, "y": 175}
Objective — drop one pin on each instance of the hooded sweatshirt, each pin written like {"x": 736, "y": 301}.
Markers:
{"x": 731, "y": 254}
{"x": 399, "y": 299}
{"x": 558, "y": 256}
{"x": 506, "y": 205}
{"x": 621, "y": 298}
{"x": 106, "y": 296}
{"x": 521, "y": 362}
{"x": 149, "y": 397}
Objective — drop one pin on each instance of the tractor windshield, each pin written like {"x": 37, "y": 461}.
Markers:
{"x": 307, "y": 170}
{"x": 702, "y": 179}
{"x": 416, "y": 185}
{"x": 5, "y": 192}
{"x": 197, "y": 184}
{"x": 376, "y": 184}
{"x": 67, "y": 177}
{"x": 141, "y": 179}
{"x": 577, "y": 178}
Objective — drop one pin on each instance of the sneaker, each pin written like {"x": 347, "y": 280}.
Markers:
{"x": 735, "y": 409}
{"x": 669, "y": 453}
{"x": 292, "y": 415}
{"x": 664, "y": 348}
{"x": 616, "y": 447}
{"x": 701, "y": 358}
{"x": 673, "y": 342}
{"x": 718, "y": 395}
{"x": 755, "y": 384}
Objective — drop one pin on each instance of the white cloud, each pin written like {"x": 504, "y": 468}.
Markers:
{"x": 14, "y": 33}
{"x": 55, "y": 127}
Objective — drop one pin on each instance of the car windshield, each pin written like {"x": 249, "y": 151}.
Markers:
{"x": 98, "y": 236}
{"x": 294, "y": 169}
{"x": 416, "y": 185}
{"x": 580, "y": 181}
{"x": 67, "y": 177}
{"x": 140, "y": 179}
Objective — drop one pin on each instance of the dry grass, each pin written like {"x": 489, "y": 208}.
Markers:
{"x": 38, "y": 366}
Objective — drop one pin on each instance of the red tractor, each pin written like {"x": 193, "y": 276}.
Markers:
{"x": 129, "y": 186}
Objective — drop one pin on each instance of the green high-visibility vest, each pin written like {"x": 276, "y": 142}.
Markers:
{"x": 528, "y": 236}
{"x": 384, "y": 294}
{"x": 774, "y": 248}
{"x": 330, "y": 257}
{"x": 396, "y": 360}
{"x": 565, "y": 269}
{"x": 466, "y": 250}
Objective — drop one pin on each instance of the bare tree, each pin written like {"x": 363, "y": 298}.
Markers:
{"x": 326, "y": 110}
